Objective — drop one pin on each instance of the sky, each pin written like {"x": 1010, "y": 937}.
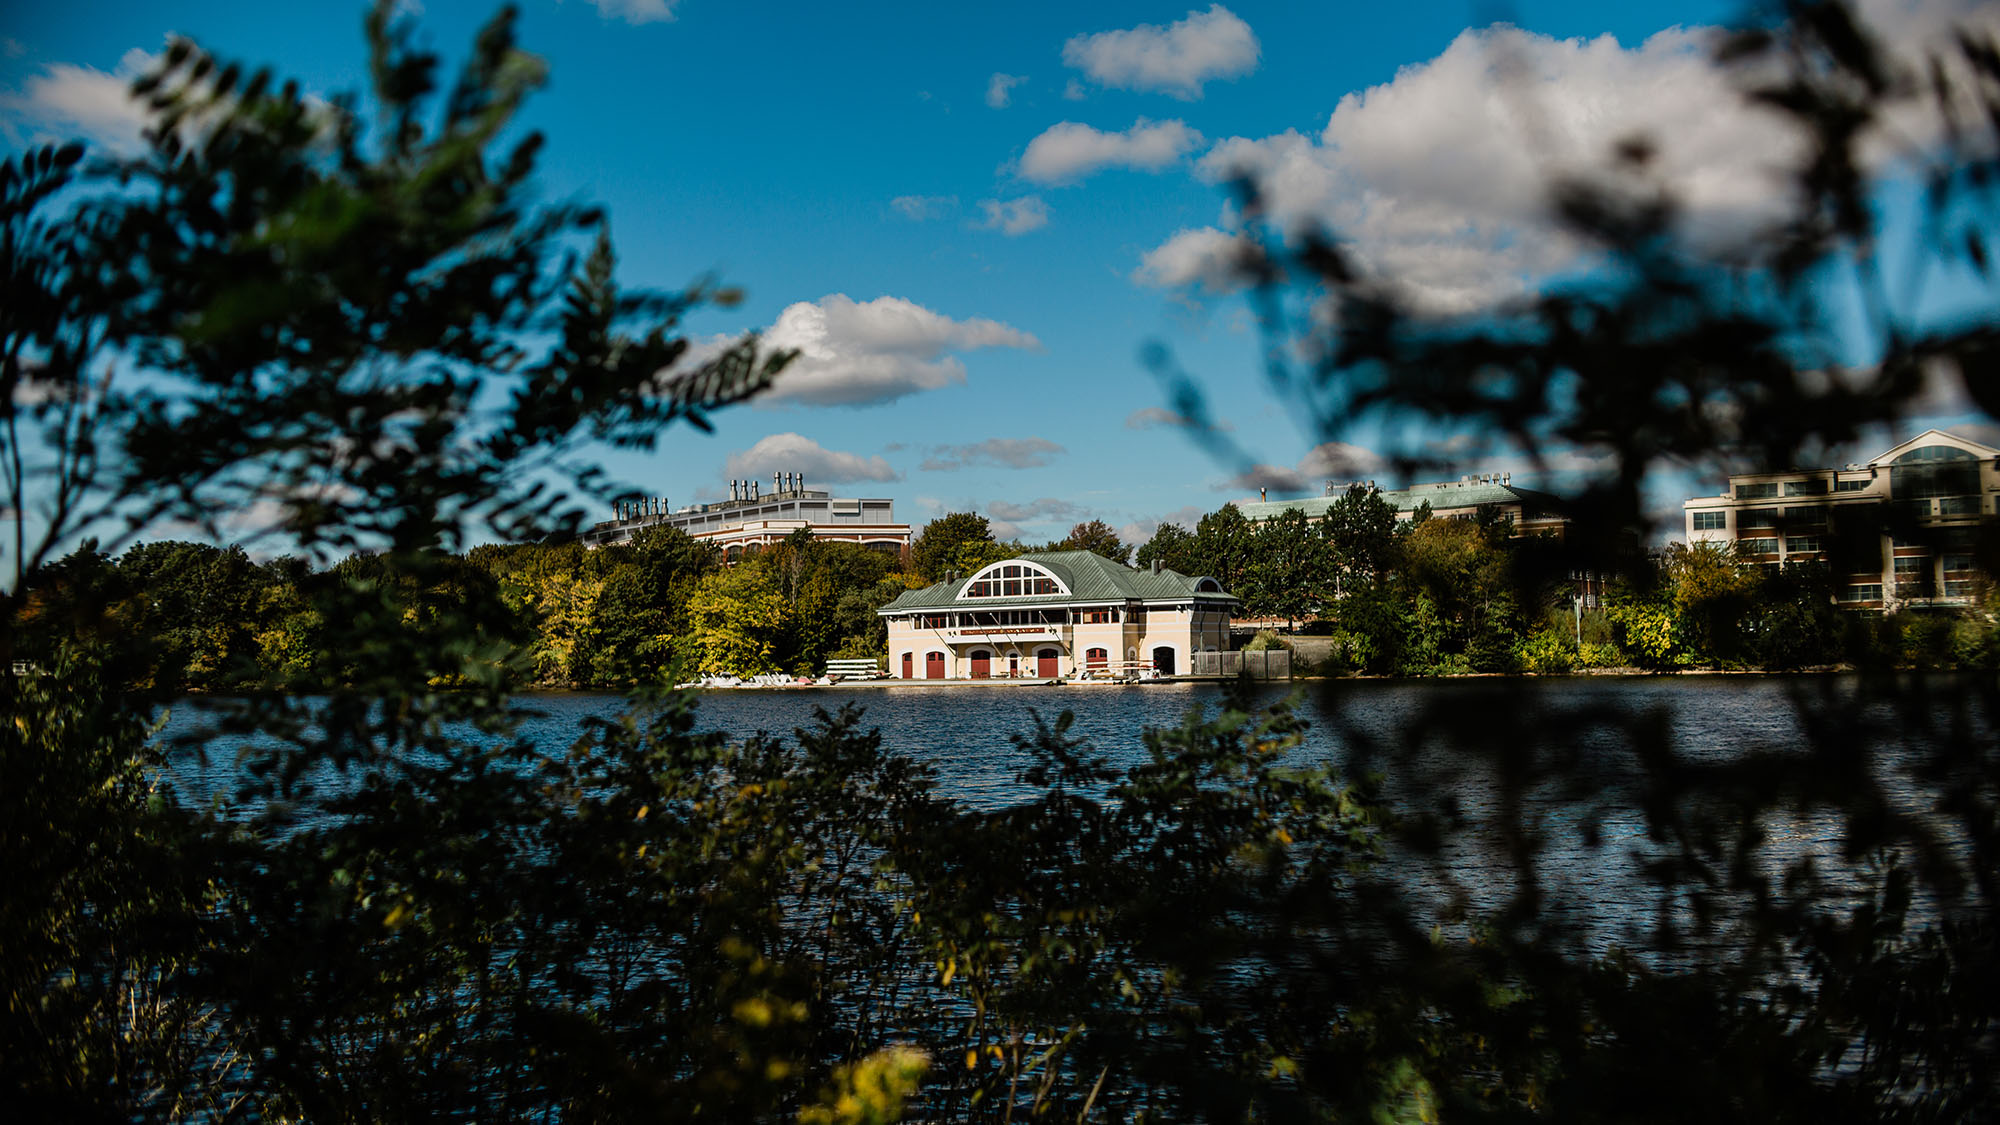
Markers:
{"x": 973, "y": 220}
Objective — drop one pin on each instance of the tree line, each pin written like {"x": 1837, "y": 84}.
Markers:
{"x": 1419, "y": 597}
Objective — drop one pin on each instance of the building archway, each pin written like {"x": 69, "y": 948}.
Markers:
{"x": 1047, "y": 663}
{"x": 908, "y": 672}
{"x": 934, "y": 666}
{"x": 1095, "y": 660}
{"x": 982, "y": 664}
{"x": 1163, "y": 660}
{"x": 1013, "y": 665}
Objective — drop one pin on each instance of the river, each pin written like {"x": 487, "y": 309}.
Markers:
{"x": 1572, "y": 763}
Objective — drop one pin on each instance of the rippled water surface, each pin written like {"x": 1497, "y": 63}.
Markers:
{"x": 1564, "y": 757}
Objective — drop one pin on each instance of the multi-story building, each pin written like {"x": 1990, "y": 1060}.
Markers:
{"x": 1897, "y": 530}
{"x": 1055, "y": 614}
{"x": 752, "y": 519}
{"x": 1530, "y": 512}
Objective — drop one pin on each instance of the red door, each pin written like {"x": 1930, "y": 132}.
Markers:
{"x": 907, "y": 674}
{"x": 982, "y": 664}
{"x": 934, "y": 666}
{"x": 1045, "y": 664}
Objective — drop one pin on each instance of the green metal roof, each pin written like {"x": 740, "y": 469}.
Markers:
{"x": 1442, "y": 497}
{"x": 1090, "y": 578}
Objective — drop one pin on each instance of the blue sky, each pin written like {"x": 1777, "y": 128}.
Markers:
{"x": 974, "y": 217}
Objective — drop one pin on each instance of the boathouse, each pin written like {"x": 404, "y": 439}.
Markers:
{"x": 1056, "y": 613}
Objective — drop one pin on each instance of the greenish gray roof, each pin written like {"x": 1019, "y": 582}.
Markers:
{"x": 1090, "y": 578}
{"x": 1442, "y": 497}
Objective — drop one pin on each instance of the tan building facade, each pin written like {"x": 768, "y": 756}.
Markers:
{"x": 1897, "y": 530}
{"x": 1056, "y": 614}
{"x": 752, "y": 519}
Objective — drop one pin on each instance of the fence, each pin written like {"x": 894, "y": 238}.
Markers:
{"x": 854, "y": 669}
{"x": 1270, "y": 664}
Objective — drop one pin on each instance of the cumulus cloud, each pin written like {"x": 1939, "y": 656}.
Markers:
{"x": 1069, "y": 151}
{"x": 1006, "y": 453}
{"x": 66, "y": 100}
{"x": 855, "y": 353}
{"x": 1015, "y": 217}
{"x": 1202, "y": 258}
{"x": 637, "y": 11}
{"x": 1000, "y": 89}
{"x": 922, "y": 208}
{"x": 796, "y": 453}
{"x": 1440, "y": 177}
{"x": 1175, "y": 60}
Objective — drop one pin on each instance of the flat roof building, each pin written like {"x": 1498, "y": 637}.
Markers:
{"x": 1056, "y": 613}
{"x": 1896, "y": 530}
{"x": 752, "y": 519}
{"x": 1529, "y": 511}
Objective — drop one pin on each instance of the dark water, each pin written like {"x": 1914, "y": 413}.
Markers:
{"x": 1572, "y": 761}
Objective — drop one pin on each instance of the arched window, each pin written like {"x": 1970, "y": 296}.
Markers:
{"x": 1207, "y": 586}
{"x": 1934, "y": 470}
{"x": 1014, "y": 579}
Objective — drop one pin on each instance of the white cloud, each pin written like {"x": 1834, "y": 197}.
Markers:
{"x": 1010, "y": 453}
{"x": 857, "y": 353}
{"x": 1000, "y": 89}
{"x": 1440, "y": 177}
{"x": 1174, "y": 60}
{"x": 1074, "y": 91}
{"x": 796, "y": 453}
{"x": 637, "y": 11}
{"x": 1205, "y": 258}
{"x": 1015, "y": 217}
{"x": 66, "y": 100}
{"x": 1070, "y": 151}
{"x": 922, "y": 208}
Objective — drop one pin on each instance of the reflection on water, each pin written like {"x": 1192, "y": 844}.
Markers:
{"x": 1563, "y": 764}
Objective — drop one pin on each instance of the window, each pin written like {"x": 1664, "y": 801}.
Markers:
{"x": 1935, "y": 470}
{"x": 1917, "y": 565}
{"x": 1757, "y": 517}
{"x": 1958, "y": 506}
{"x": 1756, "y": 491}
{"x": 1857, "y": 485}
{"x": 1955, "y": 563}
{"x": 1799, "y": 544}
{"x": 1805, "y": 487}
{"x": 1814, "y": 513}
{"x": 1711, "y": 521}
{"x": 1013, "y": 580}
{"x": 1868, "y": 593}
{"x": 1757, "y": 546}
{"x": 1096, "y": 616}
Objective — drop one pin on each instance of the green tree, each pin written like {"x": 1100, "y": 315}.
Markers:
{"x": 740, "y": 621}
{"x": 1285, "y": 575}
{"x": 1223, "y": 546}
{"x": 1172, "y": 546}
{"x": 1097, "y": 537}
{"x": 960, "y": 541}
